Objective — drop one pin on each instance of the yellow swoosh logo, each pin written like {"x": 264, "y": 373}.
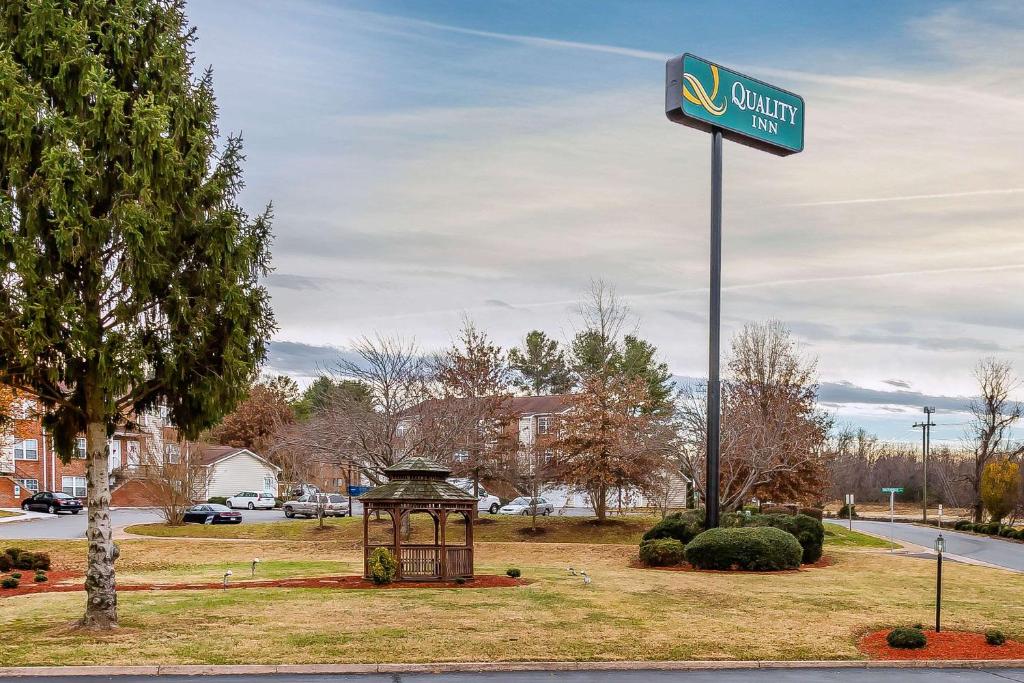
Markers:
{"x": 701, "y": 98}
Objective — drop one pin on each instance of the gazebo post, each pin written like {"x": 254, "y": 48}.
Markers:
{"x": 396, "y": 525}
{"x": 469, "y": 535}
{"x": 366, "y": 539}
{"x": 444, "y": 553}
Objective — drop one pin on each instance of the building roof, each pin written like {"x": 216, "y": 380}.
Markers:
{"x": 210, "y": 454}
{"x": 516, "y": 406}
{"x": 417, "y": 464}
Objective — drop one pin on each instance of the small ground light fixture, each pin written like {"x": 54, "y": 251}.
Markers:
{"x": 255, "y": 561}
{"x": 227, "y": 576}
{"x": 940, "y": 544}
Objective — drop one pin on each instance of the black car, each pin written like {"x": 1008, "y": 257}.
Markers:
{"x": 48, "y": 501}
{"x": 212, "y": 513}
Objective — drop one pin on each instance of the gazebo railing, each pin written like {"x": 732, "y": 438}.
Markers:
{"x": 460, "y": 561}
{"x": 421, "y": 560}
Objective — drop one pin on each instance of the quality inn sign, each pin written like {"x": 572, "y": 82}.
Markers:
{"x": 704, "y": 95}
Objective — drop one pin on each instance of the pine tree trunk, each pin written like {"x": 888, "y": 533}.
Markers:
{"x": 101, "y": 595}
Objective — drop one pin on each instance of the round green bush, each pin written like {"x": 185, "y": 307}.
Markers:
{"x": 751, "y": 548}
{"x": 964, "y": 525}
{"x": 9, "y": 582}
{"x": 994, "y": 636}
{"x": 906, "y": 638}
{"x": 513, "y": 572}
{"x": 15, "y": 575}
{"x": 681, "y": 526}
{"x": 219, "y": 500}
{"x": 383, "y": 567}
{"x": 40, "y": 578}
{"x": 662, "y": 552}
{"x": 844, "y": 512}
{"x": 808, "y": 531}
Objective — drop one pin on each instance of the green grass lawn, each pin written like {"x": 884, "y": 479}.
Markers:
{"x": 626, "y": 614}
{"x": 841, "y": 537}
{"x": 8, "y": 513}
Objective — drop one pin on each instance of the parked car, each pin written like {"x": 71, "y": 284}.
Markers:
{"x": 334, "y": 505}
{"x": 251, "y": 500}
{"x": 487, "y": 502}
{"x": 524, "y": 506}
{"x": 53, "y": 502}
{"x": 212, "y": 513}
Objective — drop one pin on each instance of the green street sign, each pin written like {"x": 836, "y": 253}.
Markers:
{"x": 893, "y": 489}
{"x": 704, "y": 95}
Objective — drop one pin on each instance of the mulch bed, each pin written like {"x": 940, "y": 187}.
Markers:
{"x": 331, "y": 582}
{"x": 944, "y": 645}
{"x": 825, "y": 561}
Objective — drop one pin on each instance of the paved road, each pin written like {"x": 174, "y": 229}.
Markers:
{"x": 734, "y": 676}
{"x": 73, "y": 526}
{"x": 982, "y": 548}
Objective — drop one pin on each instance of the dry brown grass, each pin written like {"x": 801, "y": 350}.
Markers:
{"x": 626, "y": 613}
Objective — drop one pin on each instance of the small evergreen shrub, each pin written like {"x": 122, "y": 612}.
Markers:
{"x": 991, "y": 528}
{"x": 662, "y": 552}
{"x": 460, "y": 580}
{"x": 681, "y": 526}
{"x": 513, "y": 572}
{"x": 808, "y": 531}
{"x": 816, "y": 513}
{"x": 906, "y": 638}
{"x": 731, "y": 520}
{"x": 5, "y": 563}
{"x": 9, "y": 582}
{"x": 751, "y": 548}
{"x": 994, "y": 636}
{"x": 964, "y": 525}
{"x": 219, "y": 500}
{"x": 383, "y": 567}
{"x": 40, "y": 578}
{"x": 15, "y": 575}
{"x": 40, "y": 561}
{"x": 844, "y": 512}
{"x": 787, "y": 509}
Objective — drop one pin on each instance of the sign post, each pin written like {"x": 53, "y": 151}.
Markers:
{"x": 849, "y": 508}
{"x": 732, "y": 106}
{"x": 892, "y": 491}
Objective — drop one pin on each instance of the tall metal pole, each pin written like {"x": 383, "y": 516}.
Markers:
{"x": 938, "y": 595}
{"x": 714, "y": 381}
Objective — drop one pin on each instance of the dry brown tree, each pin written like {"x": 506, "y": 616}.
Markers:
{"x": 175, "y": 479}
{"x": 993, "y": 415}
{"x": 773, "y": 435}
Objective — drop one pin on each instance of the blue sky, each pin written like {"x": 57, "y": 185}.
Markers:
{"x": 429, "y": 159}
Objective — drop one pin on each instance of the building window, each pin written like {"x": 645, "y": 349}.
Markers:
{"x": 172, "y": 453}
{"x": 461, "y": 456}
{"x": 525, "y": 431}
{"x": 269, "y": 485}
{"x": 29, "y": 484}
{"x": 544, "y": 424}
{"x": 549, "y": 456}
{"x": 73, "y": 486}
{"x": 26, "y": 450}
{"x": 80, "y": 447}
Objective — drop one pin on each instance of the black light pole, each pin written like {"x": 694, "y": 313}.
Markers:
{"x": 714, "y": 383}
{"x": 940, "y": 545}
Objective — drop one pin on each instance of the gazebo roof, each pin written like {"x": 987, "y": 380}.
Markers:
{"x": 417, "y": 479}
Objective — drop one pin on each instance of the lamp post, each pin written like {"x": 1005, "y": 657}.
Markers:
{"x": 227, "y": 576}
{"x": 255, "y": 561}
{"x": 940, "y": 545}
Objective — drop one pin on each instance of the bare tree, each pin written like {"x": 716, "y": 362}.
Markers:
{"x": 773, "y": 435}
{"x": 175, "y": 479}
{"x": 994, "y": 415}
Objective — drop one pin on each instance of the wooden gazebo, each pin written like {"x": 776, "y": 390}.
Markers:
{"x": 418, "y": 485}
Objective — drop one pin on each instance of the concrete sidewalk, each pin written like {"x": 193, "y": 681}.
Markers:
{"x": 22, "y": 515}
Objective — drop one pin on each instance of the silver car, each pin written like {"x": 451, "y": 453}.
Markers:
{"x": 526, "y": 506}
{"x": 311, "y": 504}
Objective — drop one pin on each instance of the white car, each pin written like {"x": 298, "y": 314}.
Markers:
{"x": 487, "y": 502}
{"x": 252, "y": 500}
{"x": 523, "y": 506}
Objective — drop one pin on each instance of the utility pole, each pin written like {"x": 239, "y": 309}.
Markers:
{"x": 926, "y": 434}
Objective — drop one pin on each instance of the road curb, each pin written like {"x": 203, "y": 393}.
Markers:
{"x": 470, "y": 667}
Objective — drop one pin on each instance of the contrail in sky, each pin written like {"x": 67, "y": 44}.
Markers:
{"x": 910, "y": 197}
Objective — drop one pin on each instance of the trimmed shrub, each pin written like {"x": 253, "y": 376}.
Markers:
{"x": 460, "y": 580}
{"x": 15, "y": 575}
{"x": 9, "y": 582}
{"x": 40, "y": 561}
{"x": 844, "y": 512}
{"x": 679, "y": 525}
{"x": 964, "y": 525}
{"x": 809, "y": 532}
{"x": 5, "y": 563}
{"x": 750, "y": 548}
{"x": 991, "y": 528}
{"x": 1007, "y": 532}
{"x": 731, "y": 520}
{"x": 383, "y": 567}
{"x": 40, "y": 578}
{"x": 1019, "y": 534}
{"x": 906, "y": 638}
{"x": 513, "y": 572}
{"x": 219, "y": 500}
{"x": 16, "y": 558}
{"x": 787, "y": 509}
{"x": 994, "y": 636}
{"x": 662, "y": 552}
{"x": 816, "y": 513}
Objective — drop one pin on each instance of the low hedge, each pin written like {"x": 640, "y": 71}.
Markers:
{"x": 218, "y": 500}
{"x": 682, "y": 526}
{"x": 751, "y": 548}
{"x": 662, "y": 552}
{"x": 809, "y": 532}
{"x": 16, "y": 558}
